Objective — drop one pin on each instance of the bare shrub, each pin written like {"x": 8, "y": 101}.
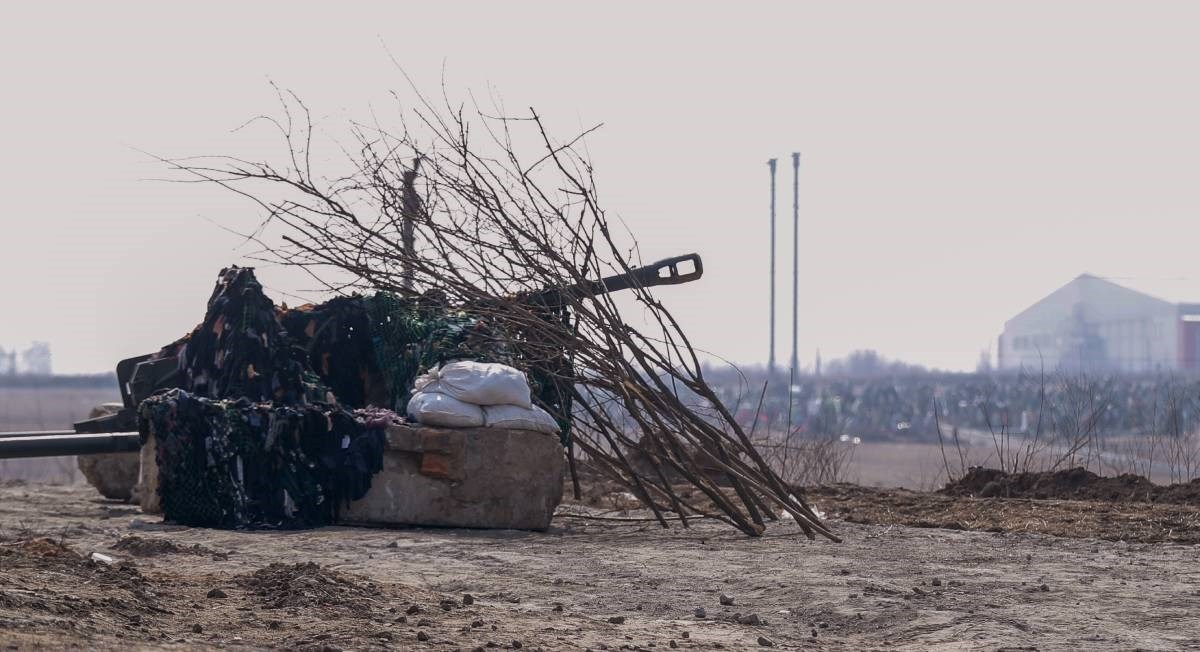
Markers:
{"x": 508, "y": 214}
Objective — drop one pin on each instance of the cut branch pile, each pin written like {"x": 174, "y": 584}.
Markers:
{"x": 493, "y": 229}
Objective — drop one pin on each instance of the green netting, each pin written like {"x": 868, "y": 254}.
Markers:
{"x": 412, "y": 336}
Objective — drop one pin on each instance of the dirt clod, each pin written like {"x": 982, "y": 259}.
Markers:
{"x": 308, "y": 584}
{"x": 138, "y": 546}
{"x": 749, "y": 619}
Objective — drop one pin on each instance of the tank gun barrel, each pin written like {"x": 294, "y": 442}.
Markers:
{"x": 58, "y": 442}
{"x": 670, "y": 271}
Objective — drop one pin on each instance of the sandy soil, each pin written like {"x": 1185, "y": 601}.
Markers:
{"x": 586, "y": 584}
{"x": 1132, "y": 522}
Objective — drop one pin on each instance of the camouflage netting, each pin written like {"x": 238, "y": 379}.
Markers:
{"x": 370, "y": 349}
{"x": 253, "y": 437}
{"x": 238, "y": 464}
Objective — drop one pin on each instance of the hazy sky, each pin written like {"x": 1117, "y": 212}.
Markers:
{"x": 960, "y": 160}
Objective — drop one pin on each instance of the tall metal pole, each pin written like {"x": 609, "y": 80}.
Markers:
{"x": 771, "y": 359}
{"x": 795, "y": 261}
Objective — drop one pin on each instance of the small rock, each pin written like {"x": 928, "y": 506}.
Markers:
{"x": 422, "y": 636}
{"x": 402, "y": 619}
{"x": 394, "y": 544}
{"x": 516, "y": 645}
{"x": 918, "y": 590}
{"x": 1043, "y": 588}
{"x": 617, "y": 620}
{"x": 725, "y": 599}
{"x": 672, "y": 643}
{"x": 765, "y": 642}
{"x": 749, "y": 619}
{"x": 685, "y": 635}
{"x": 447, "y": 604}
{"x": 476, "y": 623}
{"x": 468, "y": 599}
{"x": 558, "y": 606}
{"x": 217, "y": 593}
{"x": 424, "y": 622}
{"x": 412, "y": 609}
{"x": 936, "y": 582}
{"x": 196, "y": 629}
{"x": 700, "y": 613}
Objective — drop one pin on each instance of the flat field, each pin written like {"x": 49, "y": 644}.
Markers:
{"x": 598, "y": 584}
{"x": 47, "y": 408}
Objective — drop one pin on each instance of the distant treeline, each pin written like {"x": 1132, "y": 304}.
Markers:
{"x": 107, "y": 379}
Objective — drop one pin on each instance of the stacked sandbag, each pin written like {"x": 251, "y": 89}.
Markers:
{"x": 469, "y": 394}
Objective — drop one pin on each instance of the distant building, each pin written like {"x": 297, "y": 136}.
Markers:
{"x": 1091, "y": 324}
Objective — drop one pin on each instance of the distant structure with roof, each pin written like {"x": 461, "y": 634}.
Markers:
{"x": 1091, "y": 324}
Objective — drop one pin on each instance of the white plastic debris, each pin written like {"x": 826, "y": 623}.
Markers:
{"x": 102, "y": 558}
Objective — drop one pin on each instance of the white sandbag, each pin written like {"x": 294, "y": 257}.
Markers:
{"x": 515, "y": 417}
{"x": 437, "y": 409}
{"x": 478, "y": 383}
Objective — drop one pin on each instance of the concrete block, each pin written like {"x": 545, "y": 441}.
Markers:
{"x": 469, "y": 477}
{"x": 112, "y": 474}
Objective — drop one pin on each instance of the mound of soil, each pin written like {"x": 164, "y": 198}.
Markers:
{"x": 153, "y": 547}
{"x": 310, "y": 585}
{"x": 1111, "y": 520}
{"x": 118, "y": 596}
{"x": 1070, "y": 484}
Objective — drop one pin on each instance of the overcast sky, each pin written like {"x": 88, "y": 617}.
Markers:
{"x": 960, "y": 160}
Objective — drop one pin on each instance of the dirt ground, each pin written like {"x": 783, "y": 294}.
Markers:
{"x": 586, "y": 584}
{"x": 1133, "y": 522}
